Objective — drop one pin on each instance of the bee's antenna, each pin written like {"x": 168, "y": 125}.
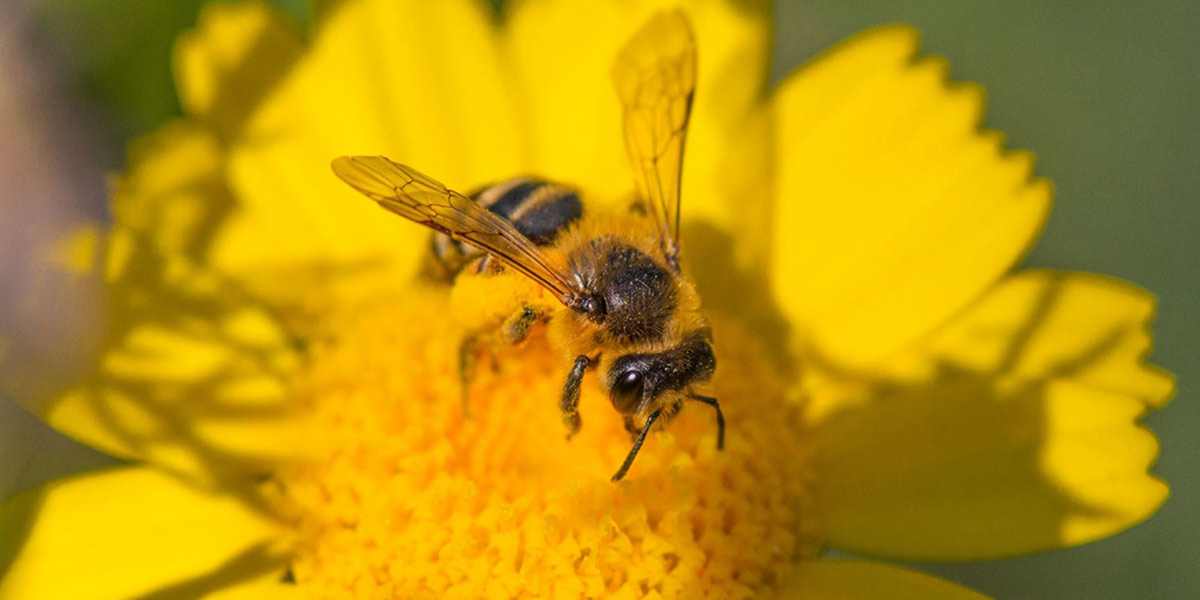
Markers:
{"x": 637, "y": 445}
{"x": 720, "y": 418}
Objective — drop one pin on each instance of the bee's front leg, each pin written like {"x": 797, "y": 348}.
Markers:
{"x": 570, "y": 396}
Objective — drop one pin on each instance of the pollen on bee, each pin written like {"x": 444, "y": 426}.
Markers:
{"x": 483, "y": 303}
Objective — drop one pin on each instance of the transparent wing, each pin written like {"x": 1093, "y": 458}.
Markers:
{"x": 414, "y": 196}
{"x": 655, "y": 77}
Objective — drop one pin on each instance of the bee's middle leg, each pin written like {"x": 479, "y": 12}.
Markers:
{"x": 514, "y": 329}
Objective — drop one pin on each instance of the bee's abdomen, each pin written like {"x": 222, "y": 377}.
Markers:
{"x": 538, "y": 209}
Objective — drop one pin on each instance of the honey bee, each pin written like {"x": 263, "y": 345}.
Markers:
{"x": 618, "y": 301}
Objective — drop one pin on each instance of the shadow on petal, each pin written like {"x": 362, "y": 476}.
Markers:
{"x": 129, "y": 530}
{"x": 17, "y": 516}
{"x": 998, "y": 436}
{"x": 253, "y": 563}
{"x": 743, "y": 294}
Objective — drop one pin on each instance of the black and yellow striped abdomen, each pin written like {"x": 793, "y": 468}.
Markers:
{"x": 539, "y": 209}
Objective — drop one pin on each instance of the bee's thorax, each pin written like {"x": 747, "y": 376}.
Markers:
{"x": 638, "y": 295}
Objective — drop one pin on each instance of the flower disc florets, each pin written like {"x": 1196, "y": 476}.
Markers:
{"x": 404, "y": 497}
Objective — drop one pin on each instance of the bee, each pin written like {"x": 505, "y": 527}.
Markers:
{"x": 617, "y": 301}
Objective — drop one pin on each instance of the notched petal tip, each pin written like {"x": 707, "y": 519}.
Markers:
{"x": 900, "y": 40}
{"x": 895, "y": 210}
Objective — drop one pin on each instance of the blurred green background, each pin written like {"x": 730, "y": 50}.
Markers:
{"x": 1105, "y": 92}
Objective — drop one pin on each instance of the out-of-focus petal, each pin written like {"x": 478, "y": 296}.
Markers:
{"x": 194, "y": 371}
{"x": 130, "y": 531}
{"x": 1014, "y": 430}
{"x": 233, "y": 58}
{"x": 893, "y": 211}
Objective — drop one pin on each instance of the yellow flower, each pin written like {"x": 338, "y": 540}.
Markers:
{"x": 286, "y": 397}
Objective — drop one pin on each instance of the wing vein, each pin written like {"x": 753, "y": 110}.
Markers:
{"x": 655, "y": 78}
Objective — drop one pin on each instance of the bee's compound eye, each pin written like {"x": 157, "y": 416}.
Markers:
{"x": 627, "y": 392}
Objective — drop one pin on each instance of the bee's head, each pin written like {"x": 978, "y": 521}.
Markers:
{"x": 636, "y": 381}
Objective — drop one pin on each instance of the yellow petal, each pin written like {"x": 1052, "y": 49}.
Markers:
{"x": 130, "y": 531}
{"x": 231, "y": 60}
{"x": 893, "y": 210}
{"x": 563, "y": 53}
{"x": 417, "y": 81}
{"x": 863, "y": 580}
{"x": 1012, "y": 431}
{"x": 194, "y": 372}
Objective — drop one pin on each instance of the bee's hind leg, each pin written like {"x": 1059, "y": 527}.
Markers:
{"x": 513, "y": 331}
{"x": 468, "y": 356}
{"x": 517, "y": 326}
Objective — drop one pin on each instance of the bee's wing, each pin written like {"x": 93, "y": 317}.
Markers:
{"x": 414, "y": 196}
{"x": 655, "y": 77}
